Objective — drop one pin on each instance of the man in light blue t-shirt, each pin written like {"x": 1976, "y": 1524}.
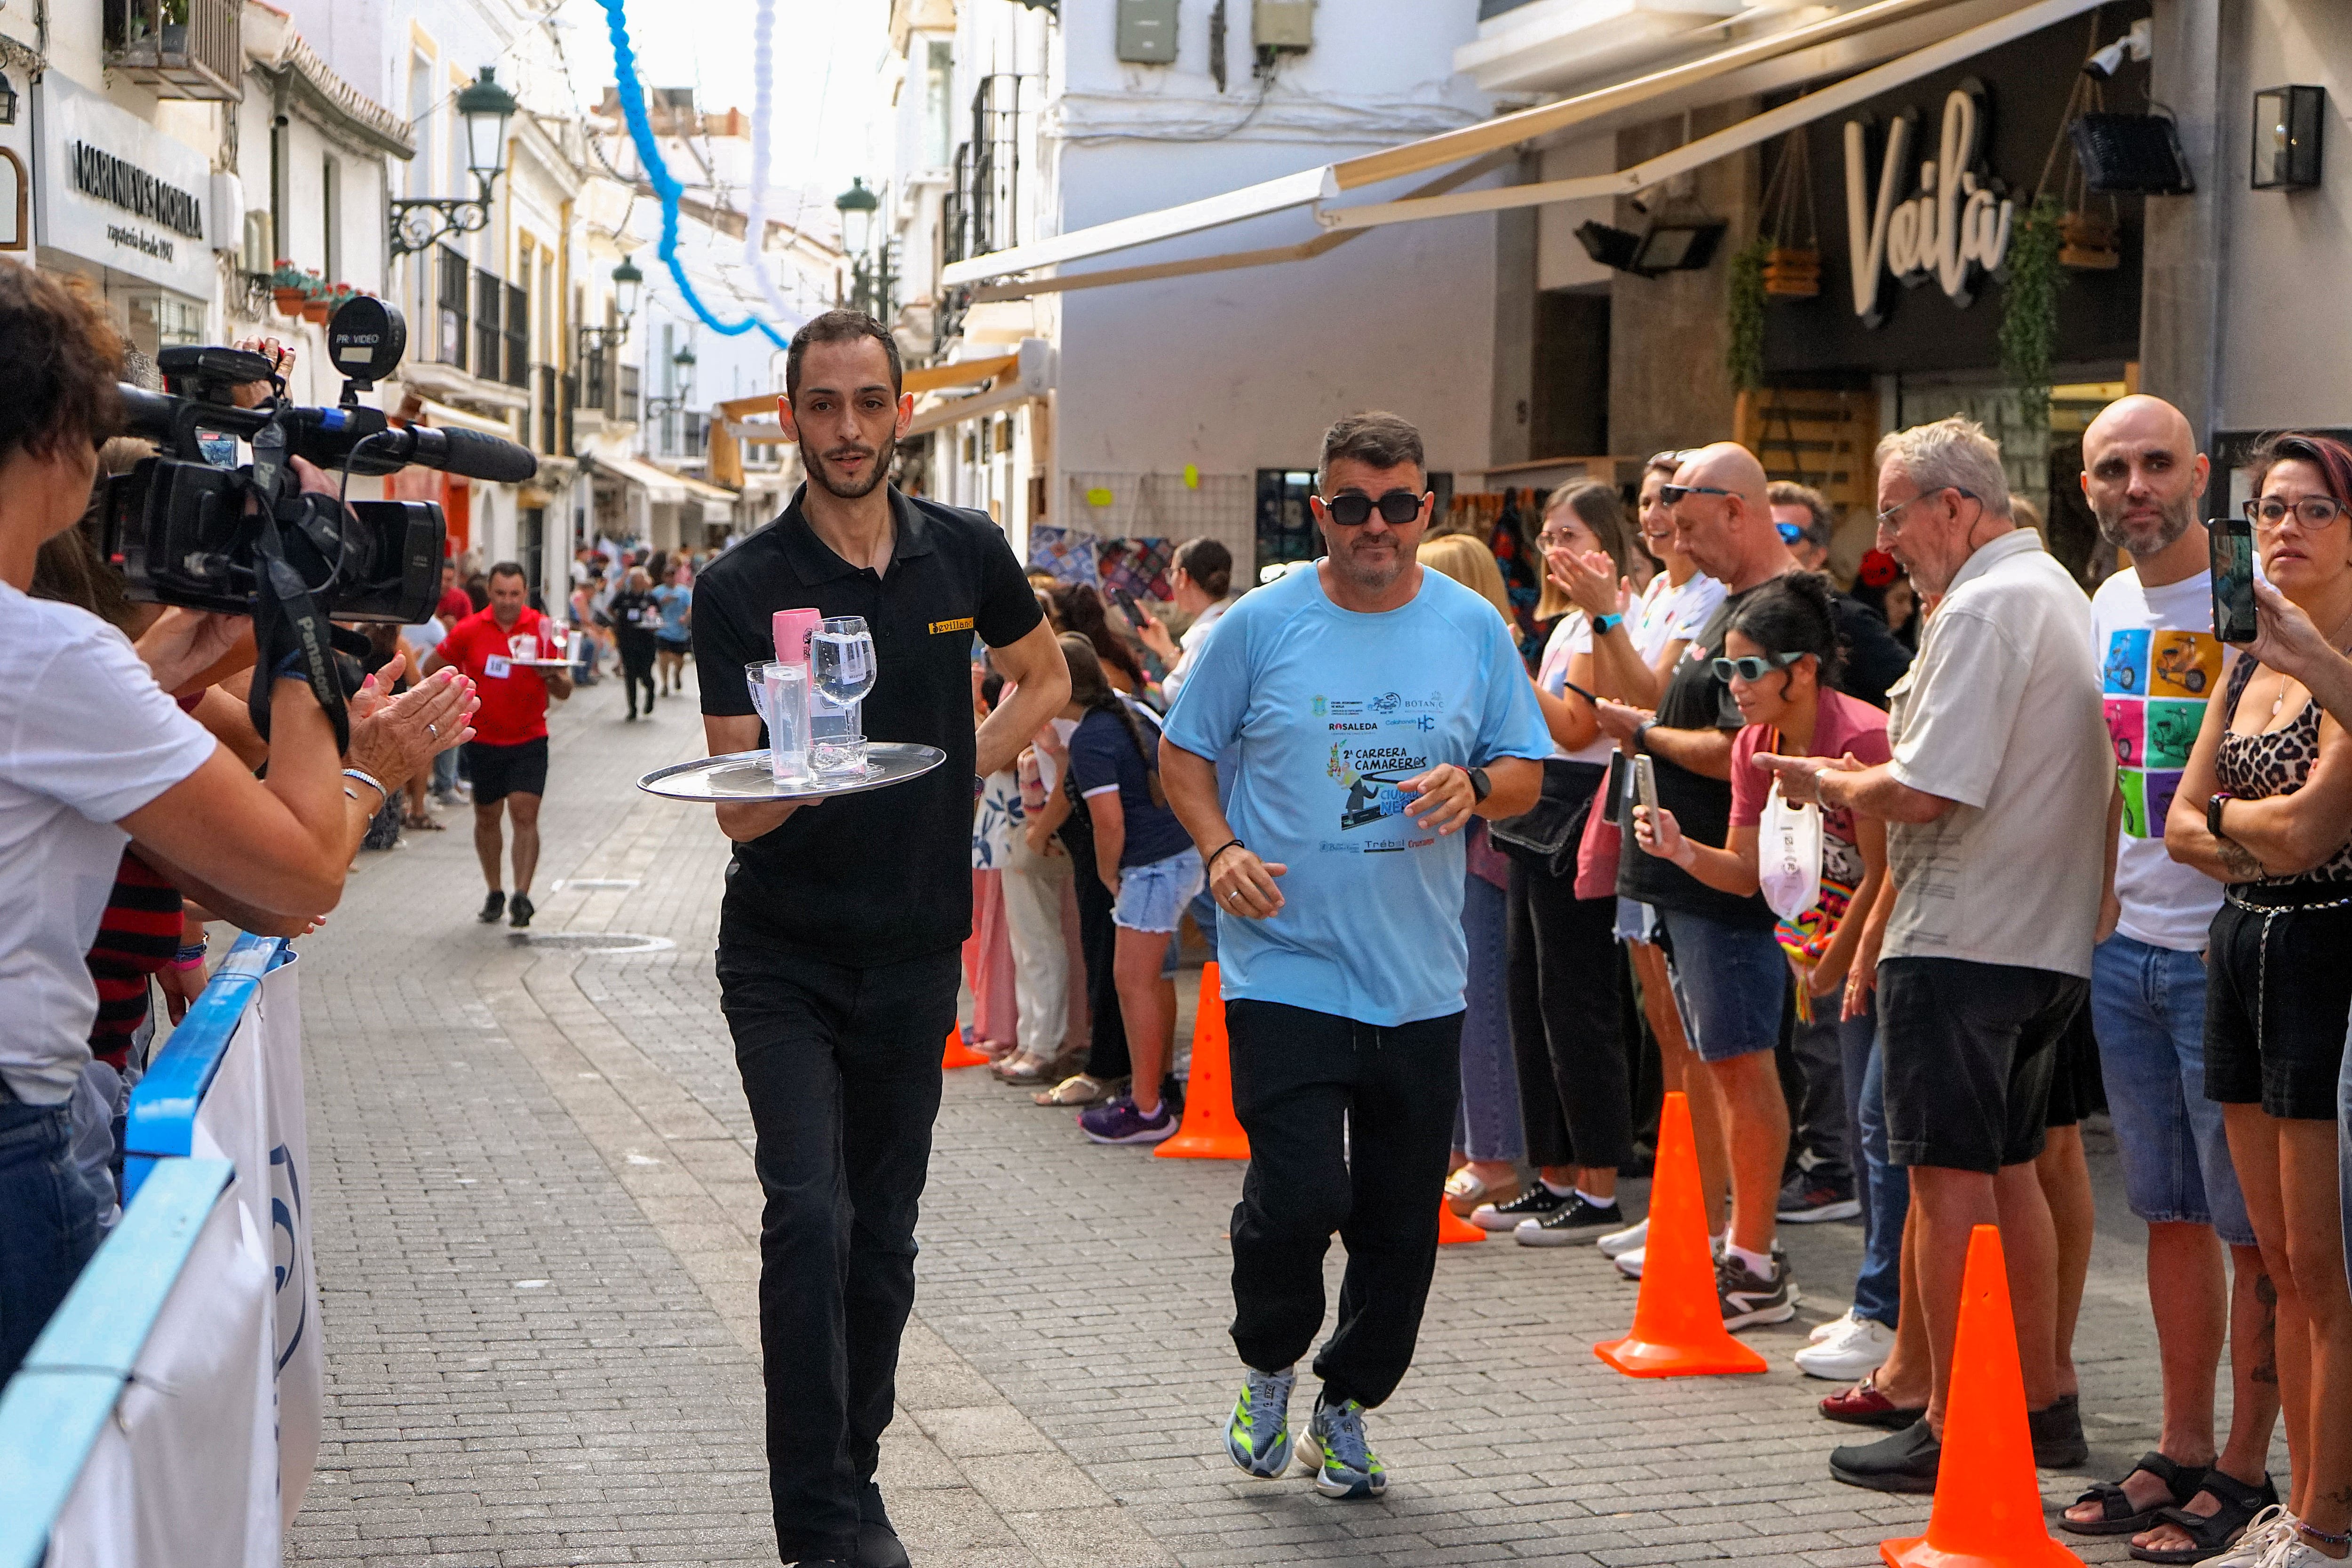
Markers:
{"x": 1332, "y": 741}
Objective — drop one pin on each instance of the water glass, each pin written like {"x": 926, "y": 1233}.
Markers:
{"x": 779, "y": 692}
{"x": 840, "y": 659}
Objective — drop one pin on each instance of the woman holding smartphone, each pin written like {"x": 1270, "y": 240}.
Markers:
{"x": 1779, "y": 653}
{"x": 2266, "y": 806}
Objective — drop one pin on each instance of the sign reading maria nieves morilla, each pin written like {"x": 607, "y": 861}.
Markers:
{"x": 97, "y": 172}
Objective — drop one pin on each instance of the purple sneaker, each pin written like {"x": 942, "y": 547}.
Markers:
{"x": 1119, "y": 1122}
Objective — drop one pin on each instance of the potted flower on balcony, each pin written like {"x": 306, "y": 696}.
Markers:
{"x": 285, "y": 287}
{"x": 174, "y": 14}
{"x": 316, "y": 291}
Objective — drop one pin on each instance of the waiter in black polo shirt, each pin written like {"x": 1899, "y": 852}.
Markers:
{"x": 839, "y": 932}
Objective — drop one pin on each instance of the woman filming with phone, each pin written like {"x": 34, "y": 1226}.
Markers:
{"x": 2266, "y": 806}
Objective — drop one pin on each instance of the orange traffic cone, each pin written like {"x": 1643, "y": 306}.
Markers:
{"x": 1677, "y": 1323}
{"x": 1988, "y": 1510}
{"x": 1209, "y": 1130}
{"x": 959, "y": 1055}
{"x": 1452, "y": 1228}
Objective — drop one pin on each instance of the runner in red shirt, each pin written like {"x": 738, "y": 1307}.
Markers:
{"x": 508, "y": 755}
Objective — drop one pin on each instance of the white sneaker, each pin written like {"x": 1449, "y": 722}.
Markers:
{"x": 2292, "y": 1551}
{"x": 1617, "y": 1243}
{"x": 1860, "y": 1348}
{"x": 2268, "y": 1530}
{"x": 1834, "y": 1326}
{"x": 1629, "y": 1264}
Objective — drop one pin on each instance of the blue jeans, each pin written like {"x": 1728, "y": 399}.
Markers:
{"x": 1730, "y": 982}
{"x": 1487, "y": 1125}
{"x": 49, "y": 1221}
{"x": 1884, "y": 1187}
{"x": 2147, "y": 1008}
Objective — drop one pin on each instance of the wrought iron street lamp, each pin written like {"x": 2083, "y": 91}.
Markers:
{"x": 486, "y": 108}
{"x": 628, "y": 284}
{"x": 870, "y": 271}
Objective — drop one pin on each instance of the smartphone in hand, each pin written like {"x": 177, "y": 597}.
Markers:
{"x": 1645, "y": 784}
{"x": 1135, "y": 616}
{"x": 2232, "y": 542}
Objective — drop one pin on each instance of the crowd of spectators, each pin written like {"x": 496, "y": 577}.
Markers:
{"x": 1947, "y": 854}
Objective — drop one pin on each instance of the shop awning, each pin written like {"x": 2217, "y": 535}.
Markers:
{"x": 957, "y": 410}
{"x": 703, "y": 488}
{"x": 660, "y": 485}
{"x": 441, "y": 415}
{"x": 1995, "y": 22}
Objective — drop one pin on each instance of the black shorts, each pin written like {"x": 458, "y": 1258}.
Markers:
{"x": 501, "y": 771}
{"x": 1969, "y": 1049}
{"x": 2076, "y": 1087}
{"x": 677, "y": 647}
{"x": 2277, "y": 990}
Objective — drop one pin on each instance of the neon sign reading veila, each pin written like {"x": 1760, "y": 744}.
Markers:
{"x": 1953, "y": 231}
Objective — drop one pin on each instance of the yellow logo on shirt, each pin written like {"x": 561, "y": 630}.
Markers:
{"x": 962, "y": 624}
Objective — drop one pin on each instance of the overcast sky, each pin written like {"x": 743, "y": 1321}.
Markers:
{"x": 828, "y": 59}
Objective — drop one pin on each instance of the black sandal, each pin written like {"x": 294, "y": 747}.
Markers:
{"x": 2240, "y": 1504}
{"x": 2116, "y": 1515}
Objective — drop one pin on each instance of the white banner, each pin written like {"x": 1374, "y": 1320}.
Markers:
{"x": 181, "y": 1477}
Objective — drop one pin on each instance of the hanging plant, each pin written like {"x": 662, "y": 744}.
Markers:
{"x": 1792, "y": 259}
{"x": 1743, "y": 354}
{"x": 2029, "y": 316}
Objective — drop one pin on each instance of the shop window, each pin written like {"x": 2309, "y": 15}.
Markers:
{"x": 1285, "y": 528}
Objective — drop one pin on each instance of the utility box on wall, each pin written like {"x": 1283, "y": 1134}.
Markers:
{"x": 1283, "y": 25}
{"x": 1146, "y": 32}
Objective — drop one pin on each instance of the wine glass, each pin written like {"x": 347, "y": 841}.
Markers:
{"x": 755, "y": 675}
{"x": 840, "y": 659}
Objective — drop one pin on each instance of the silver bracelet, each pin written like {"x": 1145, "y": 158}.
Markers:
{"x": 367, "y": 779}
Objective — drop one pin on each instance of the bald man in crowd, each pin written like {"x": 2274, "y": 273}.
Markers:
{"x": 1728, "y": 976}
{"x": 2159, "y": 663}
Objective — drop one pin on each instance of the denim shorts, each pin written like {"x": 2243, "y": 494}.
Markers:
{"x": 49, "y": 1221}
{"x": 2147, "y": 1005}
{"x": 1731, "y": 983}
{"x": 1152, "y": 897}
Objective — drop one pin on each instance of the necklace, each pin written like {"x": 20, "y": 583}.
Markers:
{"x": 2286, "y": 682}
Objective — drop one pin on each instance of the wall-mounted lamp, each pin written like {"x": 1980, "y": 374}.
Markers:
{"x": 7, "y": 102}
{"x": 1669, "y": 246}
{"x": 2287, "y": 122}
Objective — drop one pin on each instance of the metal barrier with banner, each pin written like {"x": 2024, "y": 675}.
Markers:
{"x": 196, "y": 1328}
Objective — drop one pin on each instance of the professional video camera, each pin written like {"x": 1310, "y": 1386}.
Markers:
{"x": 192, "y": 531}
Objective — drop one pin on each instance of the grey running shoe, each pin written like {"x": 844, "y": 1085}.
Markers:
{"x": 1344, "y": 1463}
{"x": 1258, "y": 1434}
{"x": 1750, "y": 1298}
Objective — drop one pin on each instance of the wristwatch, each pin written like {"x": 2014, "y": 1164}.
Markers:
{"x": 1481, "y": 786}
{"x": 1607, "y": 624}
{"x": 1641, "y": 734}
{"x": 2214, "y": 812}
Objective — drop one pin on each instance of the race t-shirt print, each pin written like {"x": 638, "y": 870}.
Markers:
{"x": 1378, "y": 743}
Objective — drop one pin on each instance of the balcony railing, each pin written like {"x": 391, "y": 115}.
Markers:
{"x": 179, "y": 48}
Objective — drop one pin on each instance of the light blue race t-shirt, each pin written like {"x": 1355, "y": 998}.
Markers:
{"x": 1314, "y": 714}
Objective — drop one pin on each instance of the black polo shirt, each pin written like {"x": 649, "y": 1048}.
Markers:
{"x": 877, "y": 877}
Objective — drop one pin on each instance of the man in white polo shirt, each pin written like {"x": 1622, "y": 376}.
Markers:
{"x": 1996, "y": 809}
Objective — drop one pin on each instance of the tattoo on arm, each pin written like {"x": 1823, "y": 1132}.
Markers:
{"x": 2238, "y": 860}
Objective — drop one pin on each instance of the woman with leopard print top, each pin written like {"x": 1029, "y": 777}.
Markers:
{"x": 2265, "y": 806}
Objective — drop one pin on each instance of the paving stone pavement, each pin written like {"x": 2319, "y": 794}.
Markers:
{"x": 536, "y": 1220}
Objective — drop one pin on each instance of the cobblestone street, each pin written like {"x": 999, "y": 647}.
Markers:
{"x": 536, "y": 1217}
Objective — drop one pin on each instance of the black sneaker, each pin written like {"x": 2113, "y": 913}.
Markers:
{"x": 2057, "y": 1431}
{"x": 492, "y": 908}
{"x": 1571, "y": 1222}
{"x": 523, "y": 911}
{"x": 1536, "y": 1202}
{"x": 878, "y": 1541}
{"x": 1810, "y": 1198}
{"x": 1748, "y": 1299}
{"x": 1906, "y": 1462}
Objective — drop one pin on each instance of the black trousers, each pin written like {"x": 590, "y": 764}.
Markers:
{"x": 1349, "y": 1127}
{"x": 1098, "y": 944}
{"x": 1567, "y": 1023}
{"x": 841, "y": 1067}
{"x": 637, "y": 667}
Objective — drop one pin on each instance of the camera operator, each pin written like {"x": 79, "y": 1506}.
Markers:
{"x": 94, "y": 752}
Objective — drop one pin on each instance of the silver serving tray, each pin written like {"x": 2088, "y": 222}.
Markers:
{"x": 745, "y": 775}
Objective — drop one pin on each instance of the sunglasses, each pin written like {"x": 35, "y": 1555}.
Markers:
{"x": 1789, "y": 533}
{"x": 1753, "y": 669}
{"x": 1674, "y": 495}
{"x": 1354, "y": 509}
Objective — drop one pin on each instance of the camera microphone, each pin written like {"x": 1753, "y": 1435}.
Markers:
{"x": 466, "y": 453}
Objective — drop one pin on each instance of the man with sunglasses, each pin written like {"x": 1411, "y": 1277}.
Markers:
{"x": 1333, "y": 739}
{"x": 1996, "y": 806}
{"x": 1730, "y": 979}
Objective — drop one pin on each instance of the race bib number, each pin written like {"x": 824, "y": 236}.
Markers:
{"x": 497, "y": 666}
